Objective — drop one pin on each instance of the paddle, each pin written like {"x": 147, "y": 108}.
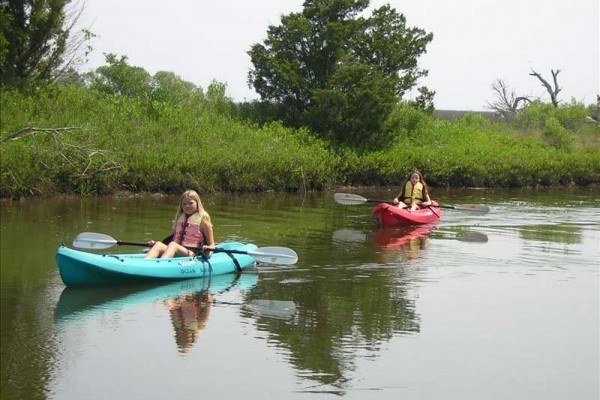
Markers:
{"x": 270, "y": 255}
{"x": 354, "y": 199}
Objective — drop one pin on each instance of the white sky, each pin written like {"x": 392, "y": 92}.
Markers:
{"x": 475, "y": 42}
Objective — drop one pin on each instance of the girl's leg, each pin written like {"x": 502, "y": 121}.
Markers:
{"x": 175, "y": 249}
{"x": 156, "y": 250}
{"x": 416, "y": 205}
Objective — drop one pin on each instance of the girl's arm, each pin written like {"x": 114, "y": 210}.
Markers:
{"x": 426, "y": 197}
{"x": 209, "y": 237}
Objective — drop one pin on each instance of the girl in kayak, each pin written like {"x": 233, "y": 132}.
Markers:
{"x": 192, "y": 230}
{"x": 414, "y": 192}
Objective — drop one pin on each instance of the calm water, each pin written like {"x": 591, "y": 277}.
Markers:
{"x": 496, "y": 306}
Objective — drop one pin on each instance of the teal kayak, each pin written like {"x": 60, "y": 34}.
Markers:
{"x": 81, "y": 268}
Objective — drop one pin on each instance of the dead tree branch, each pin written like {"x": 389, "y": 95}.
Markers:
{"x": 552, "y": 91}
{"x": 31, "y": 131}
{"x": 507, "y": 104}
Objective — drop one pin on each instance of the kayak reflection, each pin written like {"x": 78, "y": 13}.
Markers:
{"x": 409, "y": 240}
{"x": 414, "y": 237}
{"x": 188, "y": 302}
{"x": 390, "y": 242}
{"x": 411, "y": 237}
{"x": 80, "y": 303}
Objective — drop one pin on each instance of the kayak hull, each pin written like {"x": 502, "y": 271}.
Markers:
{"x": 80, "y": 268}
{"x": 388, "y": 215}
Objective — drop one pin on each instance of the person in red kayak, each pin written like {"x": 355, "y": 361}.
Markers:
{"x": 192, "y": 231}
{"x": 414, "y": 192}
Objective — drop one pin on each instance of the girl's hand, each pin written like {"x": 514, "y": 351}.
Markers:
{"x": 151, "y": 242}
{"x": 207, "y": 251}
{"x": 396, "y": 201}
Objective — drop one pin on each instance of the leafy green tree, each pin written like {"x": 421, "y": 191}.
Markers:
{"x": 169, "y": 88}
{"x": 424, "y": 101}
{"x": 217, "y": 99}
{"x": 36, "y": 44}
{"x": 336, "y": 71}
{"x": 121, "y": 79}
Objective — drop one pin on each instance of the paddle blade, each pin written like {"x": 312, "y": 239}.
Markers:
{"x": 92, "y": 240}
{"x": 274, "y": 255}
{"x": 349, "y": 199}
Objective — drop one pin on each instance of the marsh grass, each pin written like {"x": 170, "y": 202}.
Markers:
{"x": 119, "y": 143}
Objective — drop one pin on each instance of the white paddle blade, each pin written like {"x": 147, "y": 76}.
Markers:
{"x": 275, "y": 255}
{"x": 91, "y": 240}
{"x": 349, "y": 199}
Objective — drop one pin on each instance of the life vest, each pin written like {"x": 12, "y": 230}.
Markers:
{"x": 413, "y": 193}
{"x": 187, "y": 231}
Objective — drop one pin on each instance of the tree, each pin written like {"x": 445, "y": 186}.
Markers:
{"x": 552, "y": 90}
{"x": 170, "y": 88}
{"x": 337, "y": 71}
{"x": 506, "y": 103}
{"x": 424, "y": 101}
{"x": 121, "y": 79}
{"x": 35, "y": 40}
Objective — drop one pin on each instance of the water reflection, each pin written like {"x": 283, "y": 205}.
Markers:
{"x": 188, "y": 302}
{"x": 551, "y": 233}
{"x": 355, "y": 313}
{"x": 350, "y": 303}
{"x": 364, "y": 309}
{"x": 410, "y": 239}
{"x": 189, "y": 314}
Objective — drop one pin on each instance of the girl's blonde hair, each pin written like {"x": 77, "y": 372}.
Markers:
{"x": 192, "y": 194}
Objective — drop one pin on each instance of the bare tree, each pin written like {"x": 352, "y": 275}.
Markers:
{"x": 78, "y": 44}
{"x": 552, "y": 90}
{"x": 507, "y": 104}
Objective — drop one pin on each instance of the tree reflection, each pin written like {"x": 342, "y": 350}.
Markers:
{"x": 342, "y": 313}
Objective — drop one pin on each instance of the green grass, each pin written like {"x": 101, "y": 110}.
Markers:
{"x": 118, "y": 143}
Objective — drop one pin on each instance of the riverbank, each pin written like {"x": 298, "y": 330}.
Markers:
{"x": 70, "y": 140}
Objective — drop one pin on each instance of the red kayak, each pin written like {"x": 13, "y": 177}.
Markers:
{"x": 390, "y": 215}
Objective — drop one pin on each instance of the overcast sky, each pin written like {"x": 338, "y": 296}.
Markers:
{"x": 475, "y": 42}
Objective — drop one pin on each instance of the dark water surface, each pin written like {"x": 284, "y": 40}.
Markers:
{"x": 497, "y": 306}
